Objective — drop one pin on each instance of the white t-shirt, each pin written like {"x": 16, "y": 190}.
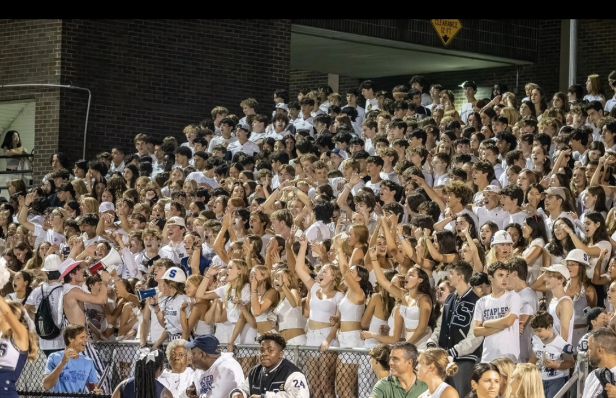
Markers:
{"x": 171, "y": 308}
{"x": 488, "y": 308}
{"x": 603, "y": 245}
{"x": 224, "y": 375}
{"x": 318, "y": 232}
{"x": 528, "y": 306}
{"x": 47, "y": 236}
{"x": 552, "y": 351}
{"x": 497, "y": 215}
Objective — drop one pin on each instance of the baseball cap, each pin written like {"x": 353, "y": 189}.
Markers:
{"x": 340, "y": 153}
{"x": 501, "y": 237}
{"x": 207, "y": 343}
{"x": 577, "y": 255}
{"x": 559, "y": 268}
{"x": 106, "y": 206}
{"x": 243, "y": 126}
{"x": 556, "y": 191}
{"x": 592, "y": 313}
{"x": 469, "y": 83}
{"x": 175, "y": 274}
{"x": 282, "y": 106}
{"x": 67, "y": 266}
{"x": 175, "y": 220}
{"x": 52, "y": 263}
{"x": 492, "y": 189}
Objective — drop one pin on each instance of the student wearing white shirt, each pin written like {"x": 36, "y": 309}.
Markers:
{"x": 440, "y": 165}
{"x": 511, "y": 198}
{"x": 489, "y": 209}
{"x": 368, "y": 129}
{"x": 470, "y": 89}
{"x": 304, "y": 120}
{"x": 243, "y": 144}
{"x": 259, "y": 123}
{"x": 226, "y": 137}
{"x": 496, "y": 317}
{"x": 374, "y": 165}
{"x": 368, "y": 90}
{"x": 249, "y": 107}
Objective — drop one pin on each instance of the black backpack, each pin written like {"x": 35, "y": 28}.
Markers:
{"x": 43, "y": 319}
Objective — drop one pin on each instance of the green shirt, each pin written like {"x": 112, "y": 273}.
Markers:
{"x": 389, "y": 387}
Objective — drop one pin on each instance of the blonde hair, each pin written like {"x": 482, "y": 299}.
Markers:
{"x": 79, "y": 186}
{"x": 90, "y": 204}
{"x": 239, "y": 283}
{"x": 511, "y": 114}
{"x": 530, "y": 381}
{"x": 439, "y": 358}
{"x": 506, "y": 368}
{"x": 194, "y": 279}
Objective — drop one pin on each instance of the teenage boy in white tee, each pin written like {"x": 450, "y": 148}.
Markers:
{"x": 496, "y": 317}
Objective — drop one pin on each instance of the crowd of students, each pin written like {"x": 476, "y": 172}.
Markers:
{"x": 488, "y": 232}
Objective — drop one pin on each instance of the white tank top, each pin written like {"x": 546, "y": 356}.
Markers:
{"x": 437, "y": 393}
{"x": 171, "y": 308}
{"x": 556, "y": 326}
{"x": 289, "y": 317}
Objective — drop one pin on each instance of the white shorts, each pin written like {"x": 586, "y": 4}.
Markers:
{"x": 350, "y": 339}
{"x": 421, "y": 344}
{"x": 248, "y": 335}
{"x": 314, "y": 338}
{"x": 298, "y": 340}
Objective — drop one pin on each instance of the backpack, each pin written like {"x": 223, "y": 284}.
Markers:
{"x": 46, "y": 328}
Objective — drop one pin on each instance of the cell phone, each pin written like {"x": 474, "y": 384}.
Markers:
{"x": 298, "y": 233}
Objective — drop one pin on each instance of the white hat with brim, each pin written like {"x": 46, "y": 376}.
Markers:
{"x": 175, "y": 274}
{"x": 558, "y": 268}
{"x": 579, "y": 256}
{"x": 52, "y": 263}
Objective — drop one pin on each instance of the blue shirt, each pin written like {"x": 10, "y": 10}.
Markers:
{"x": 76, "y": 374}
{"x": 204, "y": 264}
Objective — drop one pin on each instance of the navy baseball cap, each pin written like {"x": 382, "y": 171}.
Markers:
{"x": 207, "y": 343}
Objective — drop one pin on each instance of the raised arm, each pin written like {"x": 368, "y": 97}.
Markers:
{"x": 355, "y": 291}
{"x": 382, "y": 280}
{"x": 592, "y": 251}
{"x": 24, "y": 203}
{"x": 202, "y": 292}
{"x": 219, "y": 242}
{"x": 431, "y": 192}
{"x": 300, "y": 264}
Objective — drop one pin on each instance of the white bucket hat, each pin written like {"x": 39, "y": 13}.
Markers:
{"x": 501, "y": 237}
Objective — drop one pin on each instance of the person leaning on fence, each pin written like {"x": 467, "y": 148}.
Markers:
{"x": 402, "y": 381}
{"x": 216, "y": 373}
{"x": 601, "y": 355}
{"x": 275, "y": 376}
{"x": 69, "y": 371}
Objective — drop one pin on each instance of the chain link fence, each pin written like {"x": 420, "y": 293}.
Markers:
{"x": 338, "y": 372}
{"x": 343, "y": 373}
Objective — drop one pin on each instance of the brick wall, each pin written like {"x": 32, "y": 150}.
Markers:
{"x": 157, "y": 76}
{"x": 30, "y": 53}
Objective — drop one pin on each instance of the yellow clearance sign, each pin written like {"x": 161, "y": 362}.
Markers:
{"x": 446, "y": 29}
